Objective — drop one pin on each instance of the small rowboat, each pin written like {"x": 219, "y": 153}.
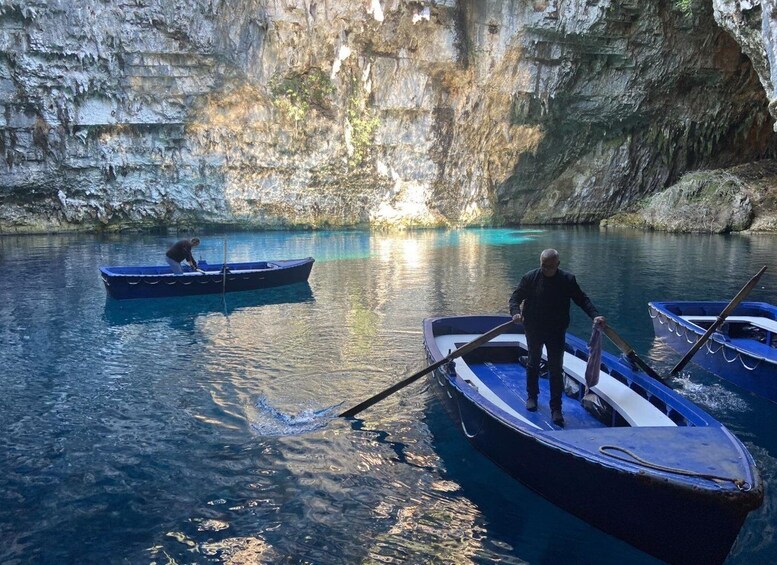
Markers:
{"x": 635, "y": 459}
{"x": 743, "y": 350}
{"x": 160, "y": 282}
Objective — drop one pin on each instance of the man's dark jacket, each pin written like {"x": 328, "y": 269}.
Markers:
{"x": 546, "y": 300}
{"x": 181, "y": 250}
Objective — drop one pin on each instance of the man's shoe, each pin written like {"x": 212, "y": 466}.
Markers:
{"x": 531, "y": 404}
{"x": 557, "y": 417}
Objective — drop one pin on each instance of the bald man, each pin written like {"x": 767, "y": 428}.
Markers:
{"x": 541, "y": 303}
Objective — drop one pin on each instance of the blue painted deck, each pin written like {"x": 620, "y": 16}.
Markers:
{"x": 508, "y": 381}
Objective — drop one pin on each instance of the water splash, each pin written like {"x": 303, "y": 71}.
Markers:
{"x": 710, "y": 395}
{"x": 269, "y": 421}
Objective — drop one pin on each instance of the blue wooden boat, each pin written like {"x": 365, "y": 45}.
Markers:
{"x": 635, "y": 459}
{"x": 160, "y": 282}
{"x": 742, "y": 350}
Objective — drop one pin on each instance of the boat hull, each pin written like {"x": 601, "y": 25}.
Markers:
{"x": 661, "y": 517}
{"x": 748, "y": 364}
{"x": 122, "y": 283}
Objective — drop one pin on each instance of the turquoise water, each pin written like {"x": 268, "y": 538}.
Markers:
{"x": 203, "y": 430}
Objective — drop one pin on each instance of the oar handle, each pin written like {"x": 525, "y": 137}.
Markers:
{"x": 718, "y": 322}
{"x": 629, "y": 352}
{"x": 463, "y": 350}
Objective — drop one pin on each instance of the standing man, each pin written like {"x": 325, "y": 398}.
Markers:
{"x": 179, "y": 251}
{"x": 541, "y": 303}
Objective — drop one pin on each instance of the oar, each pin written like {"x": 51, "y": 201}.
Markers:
{"x": 464, "y": 349}
{"x": 716, "y": 324}
{"x": 629, "y": 352}
{"x": 224, "y": 269}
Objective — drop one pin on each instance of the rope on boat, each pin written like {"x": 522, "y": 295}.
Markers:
{"x": 663, "y": 319}
{"x": 739, "y": 483}
{"x": 175, "y": 282}
{"x": 464, "y": 426}
{"x": 754, "y": 367}
{"x": 450, "y": 367}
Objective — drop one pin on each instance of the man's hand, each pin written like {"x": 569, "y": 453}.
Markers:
{"x": 517, "y": 318}
{"x": 600, "y": 320}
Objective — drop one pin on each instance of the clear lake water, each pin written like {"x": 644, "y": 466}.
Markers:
{"x": 205, "y": 429}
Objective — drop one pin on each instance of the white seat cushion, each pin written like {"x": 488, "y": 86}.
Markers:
{"x": 758, "y": 321}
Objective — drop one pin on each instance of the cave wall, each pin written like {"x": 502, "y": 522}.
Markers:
{"x": 277, "y": 113}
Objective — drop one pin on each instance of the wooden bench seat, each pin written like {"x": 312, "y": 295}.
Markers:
{"x": 635, "y": 409}
{"x": 758, "y": 321}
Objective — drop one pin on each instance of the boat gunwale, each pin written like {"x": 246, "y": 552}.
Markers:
{"x": 278, "y": 265}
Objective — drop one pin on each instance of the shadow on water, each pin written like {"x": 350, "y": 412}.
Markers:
{"x": 382, "y": 437}
{"x": 123, "y": 312}
{"x": 536, "y": 530}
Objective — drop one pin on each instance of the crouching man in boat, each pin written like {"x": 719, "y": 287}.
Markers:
{"x": 179, "y": 251}
{"x": 541, "y": 303}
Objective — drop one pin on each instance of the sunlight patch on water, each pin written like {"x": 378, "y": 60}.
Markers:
{"x": 240, "y": 550}
{"x": 212, "y": 525}
{"x": 269, "y": 421}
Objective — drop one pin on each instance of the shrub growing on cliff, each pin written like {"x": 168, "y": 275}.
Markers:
{"x": 361, "y": 124}
{"x": 684, "y": 6}
{"x": 294, "y": 94}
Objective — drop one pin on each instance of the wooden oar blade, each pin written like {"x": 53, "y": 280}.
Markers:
{"x": 463, "y": 350}
{"x": 717, "y": 323}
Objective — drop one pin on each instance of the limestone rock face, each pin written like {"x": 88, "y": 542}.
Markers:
{"x": 273, "y": 113}
{"x": 752, "y": 24}
{"x": 713, "y": 202}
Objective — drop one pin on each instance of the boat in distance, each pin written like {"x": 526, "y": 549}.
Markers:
{"x": 743, "y": 350}
{"x": 635, "y": 459}
{"x": 160, "y": 282}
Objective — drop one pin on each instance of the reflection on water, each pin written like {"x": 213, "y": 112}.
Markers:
{"x": 120, "y": 312}
{"x": 204, "y": 428}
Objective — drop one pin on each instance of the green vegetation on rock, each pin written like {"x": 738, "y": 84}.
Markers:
{"x": 363, "y": 125}
{"x": 294, "y": 94}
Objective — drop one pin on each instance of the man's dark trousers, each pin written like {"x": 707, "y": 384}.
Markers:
{"x": 553, "y": 340}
